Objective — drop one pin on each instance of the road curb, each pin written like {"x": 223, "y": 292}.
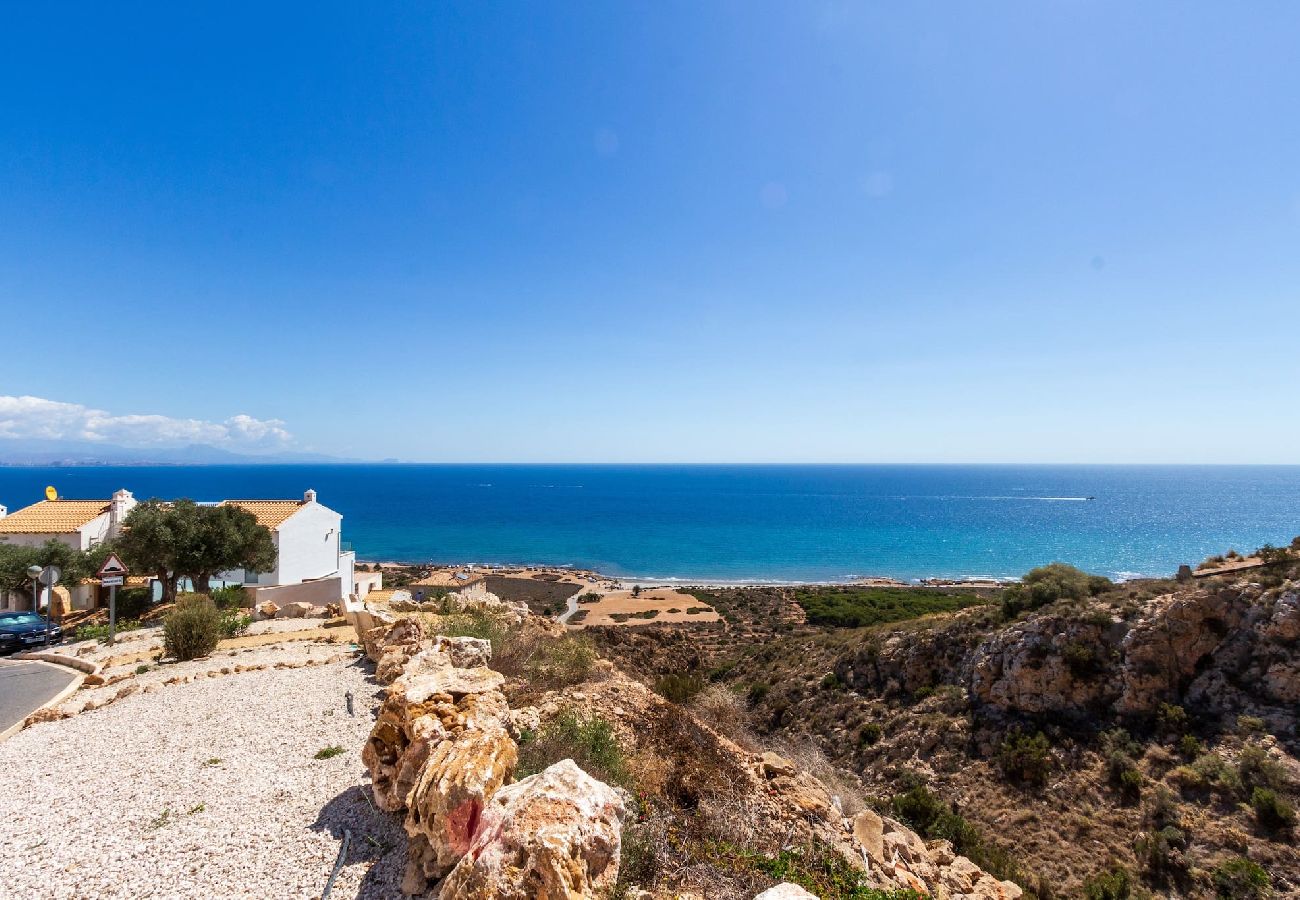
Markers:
{"x": 72, "y": 688}
{"x": 60, "y": 659}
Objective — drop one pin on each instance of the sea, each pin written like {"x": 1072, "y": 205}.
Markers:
{"x": 754, "y": 523}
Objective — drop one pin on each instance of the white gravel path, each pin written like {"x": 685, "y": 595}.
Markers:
{"x": 126, "y": 801}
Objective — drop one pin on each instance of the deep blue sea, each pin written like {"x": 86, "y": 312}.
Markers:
{"x": 768, "y": 523}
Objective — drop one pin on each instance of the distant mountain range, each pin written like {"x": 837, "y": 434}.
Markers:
{"x": 34, "y": 452}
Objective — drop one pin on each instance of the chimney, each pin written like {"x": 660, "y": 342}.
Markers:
{"x": 309, "y": 496}
{"x": 121, "y": 504}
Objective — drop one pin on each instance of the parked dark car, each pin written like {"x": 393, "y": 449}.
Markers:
{"x": 21, "y": 630}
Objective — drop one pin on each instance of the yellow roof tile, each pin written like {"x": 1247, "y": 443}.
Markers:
{"x": 53, "y": 517}
{"x": 270, "y": 513}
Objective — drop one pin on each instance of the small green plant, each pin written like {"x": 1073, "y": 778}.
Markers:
{"x": 1115, "y": 884}
{"x": 230, "y": 597}
{"x": 758, "y": 691}
{"x": 1025, "y": 757}
{"x": 1130, "y": 783}
{"x": 1241, "y": 879}
{"x": 679, "y": 688}
{"x": 235, "y": 624}
{"x": 589, "y": 742}
{"x": 162, "y": 820}
{"x": 100, "y": 632}
{"x": 870, "y": 734}
{"x": 140, "y": 670}
{"x": 1171, "y": 719}
{"x": 192, "y": 629}
{"x": 1081, "y": 658}
{"x": 197, "y": 808}
{"x": 214, "y": 761}
{"x": 1190, "y": 747}
{"x": 1272, "y": 811}
{"x": 831, "y": 682}
{"x": 1257, "y": 769}
{"x": 1160, "y": 852}
{"x": 1250, "y": 724}
{"x": 328, "y": 752}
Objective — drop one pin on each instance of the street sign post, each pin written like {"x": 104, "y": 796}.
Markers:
{"x": 111, "y": 574}
{"x": 49, "y": 577}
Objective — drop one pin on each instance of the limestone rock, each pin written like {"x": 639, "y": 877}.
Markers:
{"x": 268, "y": 609}
{"x": 786, "y": 891}
{"x": 294, "y": 610}
{"x": 552, "y": 836}
{"x": 447, "y": 801}
{"x": 466, "y": 652}
{"x": 869, "y": 832}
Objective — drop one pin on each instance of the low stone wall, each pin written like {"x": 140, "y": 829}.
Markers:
{"x": 317, "y": 593}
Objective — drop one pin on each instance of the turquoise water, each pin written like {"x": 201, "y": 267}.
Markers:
{"x": 775, "y": 523}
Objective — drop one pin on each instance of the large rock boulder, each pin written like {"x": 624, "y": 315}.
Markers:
{"x": 294, "y": 610}
{"x": 553, "y": 836}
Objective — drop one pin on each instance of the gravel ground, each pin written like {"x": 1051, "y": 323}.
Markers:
{"x": 202, "y": 790}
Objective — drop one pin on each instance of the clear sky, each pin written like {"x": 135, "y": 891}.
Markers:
{"x": 615, "y": 231}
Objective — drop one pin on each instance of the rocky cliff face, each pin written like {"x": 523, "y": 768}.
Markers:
{"x": 443, "y": 754}
{"x": 1224, "y": 652}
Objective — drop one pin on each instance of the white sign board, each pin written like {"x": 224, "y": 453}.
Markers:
{"x": 111, "y": 581}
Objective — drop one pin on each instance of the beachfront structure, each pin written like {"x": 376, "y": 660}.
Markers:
{"x": 312, "y": 564}
{"x": 363, "y": 582}
{"x": 80, "y": 524}
{"x": 441, "y": 582}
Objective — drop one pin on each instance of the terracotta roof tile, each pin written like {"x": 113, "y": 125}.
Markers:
{"x": 53, "y": 517}
{"x": 271, "y": 513}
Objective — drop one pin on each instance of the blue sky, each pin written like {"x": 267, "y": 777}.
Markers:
{"x": 1062, "y": 231}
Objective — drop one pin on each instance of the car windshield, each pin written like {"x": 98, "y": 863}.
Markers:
{"x": 22, "y": 618}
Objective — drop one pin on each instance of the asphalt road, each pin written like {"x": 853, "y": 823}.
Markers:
{"x": 25, "y": 685}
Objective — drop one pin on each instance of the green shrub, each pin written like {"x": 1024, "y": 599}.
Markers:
{"x": 235, "y": 624}
{"x": 132, "y": 603}
{"x": 870, "y": 734}
{"x": 1081, "y": 658}
{"x": 1117, "y": 884}
{"x": 328, "y": 752}
{"x": 1190, "y": 747}
{"x": 589, "y": 742}
{"x": 757, "y": 691}
{"x": 1025, "y": 758}
{"x": 1171, "y": 719}
{"x": 856, "y": 607}
{"x": 100, "y": 632}
{"x": 1130, "y": 784}
{"x": 1214, "y": 771}
{"x": 562, "y": 661}
{"x": 1160, "y": 852}
{"x": 831, "y": 682}
{"x": 679, "y": 688}
{"x": 638, "y": 858}
{"x": 1257, "y": 769}
{"x": 1241, "y": 879}
{"x": 1250, "y": 724}
{"x": 1272, "y": 811}
{"x": 1047, "y": 584}
{"x": 934, "y": 819}
{"x": 479, "y": 623}
{"x": 192, "y": 628}
{"x": 232, "y": 596}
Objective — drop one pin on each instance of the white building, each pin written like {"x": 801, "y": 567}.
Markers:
{"x": 312, "y": 562}
{"x": 81, "y": 524}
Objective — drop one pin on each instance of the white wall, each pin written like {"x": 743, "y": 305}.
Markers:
{"x": 308, "y": 544}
